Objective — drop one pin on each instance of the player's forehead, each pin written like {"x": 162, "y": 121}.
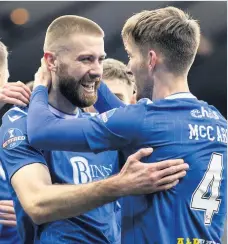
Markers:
{"x": 117, "y": 86}
{"x": 84, "y": 44}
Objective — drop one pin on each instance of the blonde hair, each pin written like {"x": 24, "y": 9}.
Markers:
{"x": 3, "y": 55}
{"x": 115, "y": 69}
{"x": 65, "y": 26}
{"x": 169, "y": 31}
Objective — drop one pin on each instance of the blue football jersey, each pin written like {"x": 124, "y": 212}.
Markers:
{"x": 101, "y": 225}
{"x": 7, "y": 234}
{"x": 180, "y": 126}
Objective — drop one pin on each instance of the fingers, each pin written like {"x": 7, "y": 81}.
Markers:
{"x": 6, "y": 216}
{"x": 172, "y": 170}
{"x": 19, "y": 84}
{"x": 167, "y": 186}
{"x": 167, "y": 163}
{"x": 8, "y": 222}
{"x": 12, "y": 101}
{"x": 42, "y": 76}
{"x": 6, "y": 202}
{"x": 20, "y": 90}
{"x": 6, "y": 209}
{"x": 15, "y": 95}
{"x": 143, "y": 152}
{"x": 7, "y": 213}
{"x": 43, "y": 63}
{"x": 25, "y": 87}
{"x": 171, "y": 178}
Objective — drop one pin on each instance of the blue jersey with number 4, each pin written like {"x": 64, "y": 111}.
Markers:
{"x": 180, "y": 126}
{"x": 100, "y": 225}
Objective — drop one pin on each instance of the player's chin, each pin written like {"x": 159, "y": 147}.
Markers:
{"x": 88, "y": 100}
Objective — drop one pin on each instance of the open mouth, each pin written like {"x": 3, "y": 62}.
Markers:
{"x": 89, "y": 87}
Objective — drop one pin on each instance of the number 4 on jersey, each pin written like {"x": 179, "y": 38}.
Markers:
{"x": 211, "y": 181}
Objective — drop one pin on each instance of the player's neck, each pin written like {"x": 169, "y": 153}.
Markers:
{"x": 167, "y": 84}
{"x": 58, "y": 101}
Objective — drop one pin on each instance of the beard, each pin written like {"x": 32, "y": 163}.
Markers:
{"x": 145, "y": 92}
{"x": 145, "y": 86}
{"x": 72, "y": 89}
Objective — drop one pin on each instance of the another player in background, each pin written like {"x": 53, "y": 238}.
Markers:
{"x": 49, "y": 207}
{"x": 10, "y": 93}
{"x": 119, "y": 80}
{"x": 161, "y": 45}
{"x": 8, "y": 230}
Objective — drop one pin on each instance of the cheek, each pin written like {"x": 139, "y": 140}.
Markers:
{"x": 132, "y": 66}
{"x": 77, "y": 72}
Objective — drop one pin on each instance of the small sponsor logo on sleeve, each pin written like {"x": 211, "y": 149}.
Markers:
{"x": 106, "y": 115}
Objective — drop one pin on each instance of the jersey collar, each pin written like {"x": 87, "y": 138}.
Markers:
{"x": 181, "y": 95}
{"x": 63, "y": 115}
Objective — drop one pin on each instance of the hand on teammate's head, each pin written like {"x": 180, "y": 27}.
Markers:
{"x": 42, "y": 76}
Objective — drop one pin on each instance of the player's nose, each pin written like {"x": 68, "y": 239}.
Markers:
{"x": 96, "y": 70}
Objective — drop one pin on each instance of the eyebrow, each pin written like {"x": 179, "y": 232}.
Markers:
{"x": 89, "y": 54}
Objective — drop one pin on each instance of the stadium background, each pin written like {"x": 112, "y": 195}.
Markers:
{"x": 23, "y": 26}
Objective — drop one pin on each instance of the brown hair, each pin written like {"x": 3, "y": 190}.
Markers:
{"x": 114, "y": 69}
{"x": 67, "y": 25}
{"x": 169, "y": 31}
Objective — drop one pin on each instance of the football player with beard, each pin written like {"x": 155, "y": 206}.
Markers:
{"x": 161, "y": 45}
{"x": 68, "y": 197}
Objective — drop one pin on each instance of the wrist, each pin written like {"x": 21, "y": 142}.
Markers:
{"x": 117, "y": 186}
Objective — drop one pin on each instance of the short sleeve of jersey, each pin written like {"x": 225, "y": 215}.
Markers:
{"x": 15, "y": 151}
{"x": 115, "y": 129}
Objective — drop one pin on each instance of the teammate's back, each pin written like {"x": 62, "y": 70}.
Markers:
{"x": 182, "y": 127}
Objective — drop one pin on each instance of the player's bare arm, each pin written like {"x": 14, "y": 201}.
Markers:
{"x": 45, "y": 202}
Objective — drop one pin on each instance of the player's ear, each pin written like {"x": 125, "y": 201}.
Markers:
{"x": 51, "y": 61}
{"x": 152, "y": 59}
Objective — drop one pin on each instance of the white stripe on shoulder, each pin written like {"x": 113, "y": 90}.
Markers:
{"x": 181, "y": 95}
{"x": 93, "y": 114}
{"x": 145, "y": 100}
{"x": 18, "y": 110}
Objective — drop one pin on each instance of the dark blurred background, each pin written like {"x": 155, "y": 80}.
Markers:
{"x": 23, "y": 26}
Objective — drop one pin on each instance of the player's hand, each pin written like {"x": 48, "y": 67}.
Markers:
{"x": 7, "y": 213}
{"x": 144, "y": 178}
{"x": 42, "y": 76}
{"x": 15, "y": 93}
